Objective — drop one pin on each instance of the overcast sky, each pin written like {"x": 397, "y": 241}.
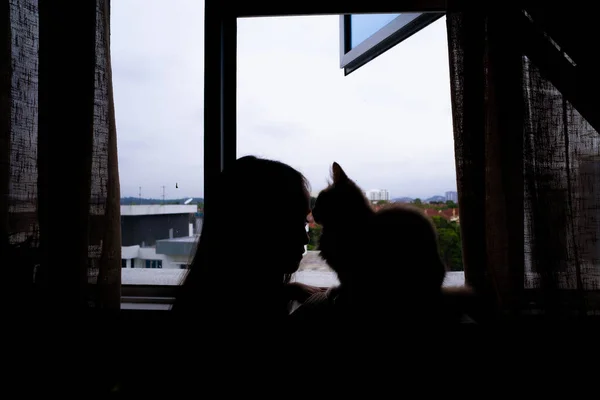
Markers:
{"x": 388, "y": 124}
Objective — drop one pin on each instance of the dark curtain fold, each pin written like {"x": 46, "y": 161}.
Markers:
{"x": 59, "y": 212}
{"x": 5, "y": 114}
{"x": 528, "y": 172}
{"x": 562, "y": 169}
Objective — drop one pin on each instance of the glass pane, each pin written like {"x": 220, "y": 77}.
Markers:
{"x": 157, "y": 51}
{"x": 390, "y": 127}
{"x": 362, "y": 26}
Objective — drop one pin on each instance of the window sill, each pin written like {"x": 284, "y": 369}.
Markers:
{"x": 156, "y": 289}
{"x": 146, "y": 303}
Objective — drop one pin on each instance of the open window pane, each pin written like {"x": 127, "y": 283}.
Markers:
{"x": 365, "y": 36}
{"x": 364, "y": 26}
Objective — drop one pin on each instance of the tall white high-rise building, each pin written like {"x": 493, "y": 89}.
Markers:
{"x": 378, "y": 194}
{"x": 453, "y": 196}
{"x": 385, "y": 195}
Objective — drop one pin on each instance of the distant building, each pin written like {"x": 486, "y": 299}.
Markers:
{"x": 450, "y": 214}
{"x": 143, "y": 225}
{"x": 158, "y": 236}
{"x": 168, "y": 253}
{"x": 452, "y": 196}
{"x": 378, "y": 194}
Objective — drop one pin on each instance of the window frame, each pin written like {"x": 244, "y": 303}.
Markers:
{"x": 152, "y": 297}
{"x": 220, "y": 94}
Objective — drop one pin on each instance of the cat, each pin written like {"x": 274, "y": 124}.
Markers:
{"x": 353, "y": 233}
{"x": 391, "y": 255}
{"x": 343, "y": 212}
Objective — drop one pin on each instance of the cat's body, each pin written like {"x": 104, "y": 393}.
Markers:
{"x": 353, "y": 233}
{"x": 388, "y": 259}
{"x": 344, "y": 214}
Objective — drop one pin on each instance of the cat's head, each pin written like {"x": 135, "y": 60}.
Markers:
{"x": 342, "y": 203}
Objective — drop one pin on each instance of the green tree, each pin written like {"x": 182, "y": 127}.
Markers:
{"x": 314, "y": 235}
{"x": 449, "y": 242}
{"x": 440, "y": 222}
{"x": 451, "y": 204}
{"x": 417, "y": 202}
{"x": 382, "y": 202}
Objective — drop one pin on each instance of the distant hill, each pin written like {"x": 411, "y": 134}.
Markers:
{"x": 128, "y": 201}
{"x": 410, "y": 199}
{"x": 435, "y": 198}
{"x": 403, "y": 200}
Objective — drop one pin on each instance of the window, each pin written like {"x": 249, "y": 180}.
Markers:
{"x": 153, "y": 263}
{"x": 158, "y": 62}
{"x": 389, "y": 124}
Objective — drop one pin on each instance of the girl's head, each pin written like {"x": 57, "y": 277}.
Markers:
{"x": 259, "y": 213}
{"x": 254, "y": 231}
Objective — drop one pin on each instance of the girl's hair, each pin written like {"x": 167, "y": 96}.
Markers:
{"x": 251, "y": 191}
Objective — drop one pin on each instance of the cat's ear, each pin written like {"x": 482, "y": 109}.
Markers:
{"x": 338, "y": 173}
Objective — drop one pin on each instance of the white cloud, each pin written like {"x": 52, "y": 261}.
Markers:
{"x": 388, "y": 123}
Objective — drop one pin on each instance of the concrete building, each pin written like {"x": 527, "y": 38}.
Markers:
{"x": 158, "y": 236}
{"x": 143, "y": 225}
{"x": 168, "y": 253}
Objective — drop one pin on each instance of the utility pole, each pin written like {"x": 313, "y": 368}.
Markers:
{"x": 163, "y": 188}
{"x": 140, "y": 195}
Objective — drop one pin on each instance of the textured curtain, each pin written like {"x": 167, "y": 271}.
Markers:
{"x": 528, "y": 169}
{"x": 59, "y": 203}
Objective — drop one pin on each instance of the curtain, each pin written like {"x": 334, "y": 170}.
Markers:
{"x": 528, "y": 171}
{"x": 59, "y": 203}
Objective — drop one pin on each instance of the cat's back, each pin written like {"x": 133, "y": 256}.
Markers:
{"x": 401, "y": 224}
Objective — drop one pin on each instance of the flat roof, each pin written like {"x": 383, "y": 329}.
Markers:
{"x": 158, "y": 209}
{"x": 185, "y": 239}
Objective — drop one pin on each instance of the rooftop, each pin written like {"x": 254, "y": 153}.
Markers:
{"x": 158, "y": 209}
{"x": 185, "y": 239}
{"x": 181, "y": 246}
